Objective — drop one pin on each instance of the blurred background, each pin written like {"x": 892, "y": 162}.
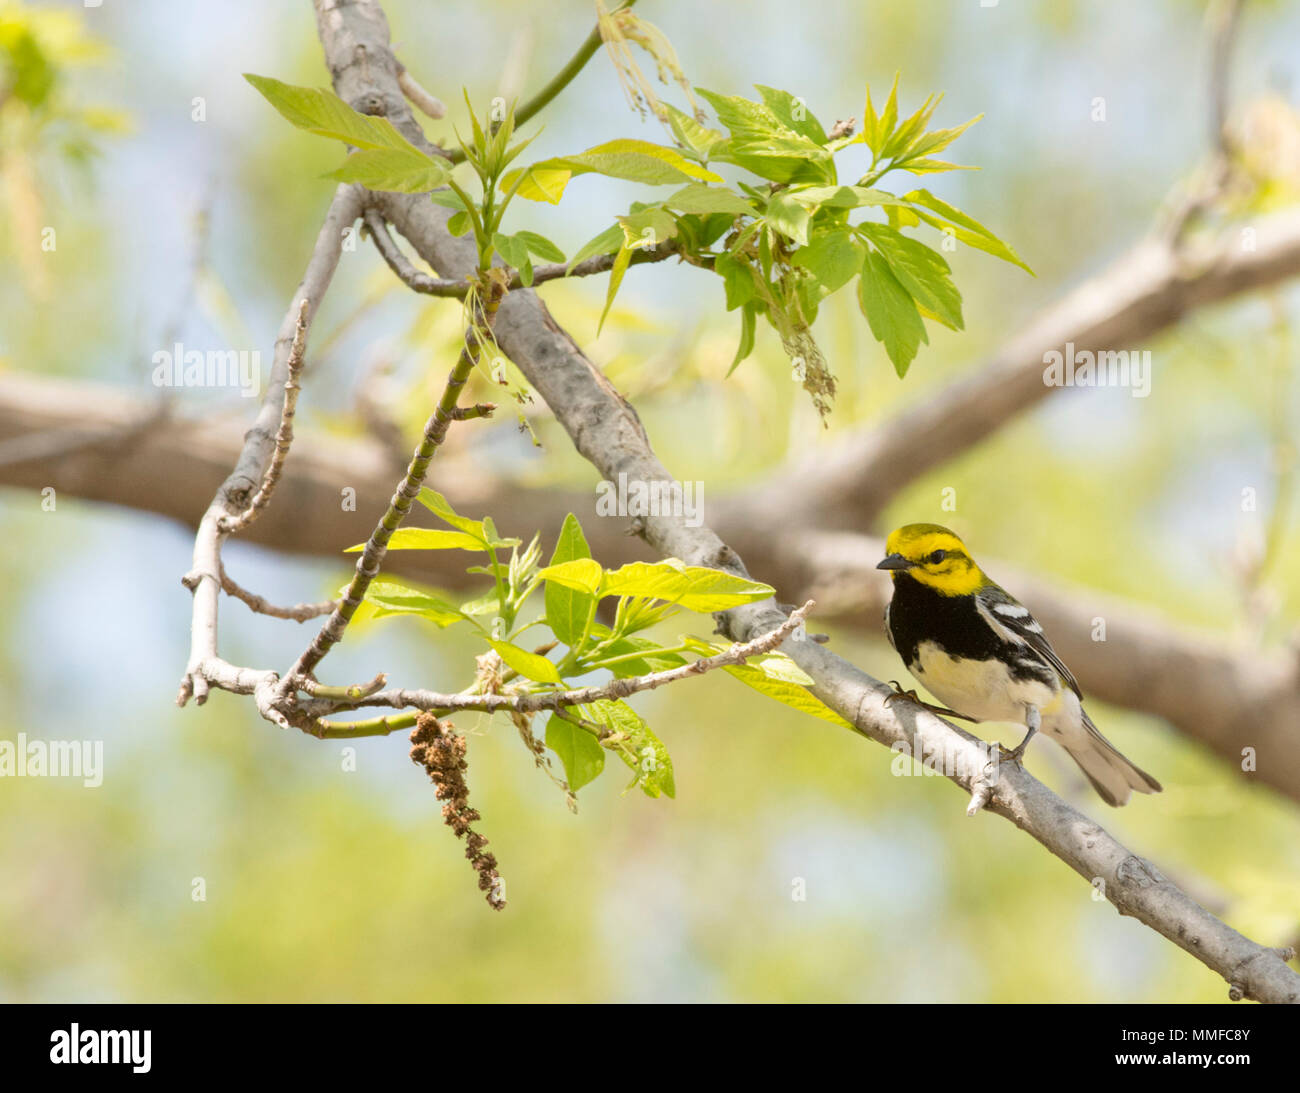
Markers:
{"x": 328, "y": 883}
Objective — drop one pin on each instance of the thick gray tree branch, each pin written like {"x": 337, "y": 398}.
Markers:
{"x": 605, "y": 429}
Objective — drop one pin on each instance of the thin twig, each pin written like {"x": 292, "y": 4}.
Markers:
{"x": 299, "y": 612}
{"x": 415, "y": 92}
{"x": 1223, "y": 19}
{"x": 557, "y": 83}
{"x": 284, "y": 435}
{"x": 435, "y": 430}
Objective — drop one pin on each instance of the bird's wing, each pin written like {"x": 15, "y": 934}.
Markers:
{"x": 1012, "y": 621}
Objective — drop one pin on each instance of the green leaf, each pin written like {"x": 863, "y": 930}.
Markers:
{"x": 394, "y": 598}
{"x": 787, "y": 693}
{"x": 788, "y": 216}
{"x": 567, "y": 608}
{"x": 607, "y": 242}
{"x": 581, "y": 574}
{"x": 493, "y": 539}
{"x": 890, "y": 117}
{"x": 748, "y": 330}
{"x": 793, "y": 113}
{"x": 737, "y": 279}
{"x": 322, "y": 112}
{"x": 513, "y": 250}
{"x": 640, "y": 749}
{"x": 438, "y": 505}
{"x": 912, "y": 128}
{"x": 656, "y": 658}
{"x": 776, "y": 676}
{"x": 708, "y": 229}
{"x": 634, "y": 160}
{"x": 966, "y": 228}
{"x": 748, "y": 122}
{"x": 540, "y": 183}
{"x": 695, "y": 588}
{"x": 486, "y": 604}
{"x": 621, "y": 262}
{"x": 698, "y": 139}
{"x": 921, "y": 271}
{"x": 459, "y": 223}
{"x": 932, "y": 166}
{"x": 871, "y": 126}
{"x": 762, "y": 143}
{"x": 833, "y": 258}
{"x": 699, "y": 198}
{"x": 891, "y": 312}
{"x": 938, "y": 139}
{"x": 782, "y": 159}
{"x": 540, "y": 246}
{"x": 403, "y": 171}
{"x": 386, "y": 160}
{"x": 902, "y": 216}
{"x": 427, "y": 539}
{"x": 448, "y": 199}
{"x": 648, "y": 227}
{"x": 579, "y": 751}
{"x": 529, "y": 665}
{"x": 844, "y": 197}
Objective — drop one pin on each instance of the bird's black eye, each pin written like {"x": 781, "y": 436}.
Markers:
{"x": 937, "y": 556}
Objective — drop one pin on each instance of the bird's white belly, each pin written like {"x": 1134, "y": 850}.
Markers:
{"x": 982, "y": 688}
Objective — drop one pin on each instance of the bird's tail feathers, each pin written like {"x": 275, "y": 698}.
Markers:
{"x": 1112, "y": 775}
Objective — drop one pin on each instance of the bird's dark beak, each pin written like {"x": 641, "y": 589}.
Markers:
{"x": 895, "y": 561}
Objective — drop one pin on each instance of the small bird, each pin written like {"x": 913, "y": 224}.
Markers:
{"x": 979, "y": 650}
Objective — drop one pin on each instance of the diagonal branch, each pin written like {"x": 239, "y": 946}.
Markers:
{"x": 435, "y": 431}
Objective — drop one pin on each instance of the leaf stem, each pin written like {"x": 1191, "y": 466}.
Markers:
{"x": 558, "y": 82}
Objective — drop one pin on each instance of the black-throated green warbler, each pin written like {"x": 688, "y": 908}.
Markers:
{"x": 979, "y": 650}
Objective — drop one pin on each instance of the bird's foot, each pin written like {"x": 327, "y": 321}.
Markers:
{"x": 912, "y": 696}
{"x": 1014, "y": 755}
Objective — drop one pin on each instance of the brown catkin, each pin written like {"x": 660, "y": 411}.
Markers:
{"x": 440, "y": 750}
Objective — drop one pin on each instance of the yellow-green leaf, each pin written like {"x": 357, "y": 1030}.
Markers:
{"x": 529, "y": 665}
{"x": 427, "y": 539}
{"x": 579, "y": 751}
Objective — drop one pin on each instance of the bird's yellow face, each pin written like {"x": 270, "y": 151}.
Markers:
{"x": 935, "y": 557}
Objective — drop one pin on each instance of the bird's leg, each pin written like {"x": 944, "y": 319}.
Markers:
{"x": 1033, "y": 721}
{"x": 942, "y": 711}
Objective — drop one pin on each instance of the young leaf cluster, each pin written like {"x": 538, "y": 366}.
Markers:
{"x": 573, "y": 585}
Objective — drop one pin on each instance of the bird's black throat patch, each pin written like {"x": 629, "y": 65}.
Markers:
{"x": 918, "y": 613}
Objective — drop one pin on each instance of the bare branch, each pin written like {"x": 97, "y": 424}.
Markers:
{"x": 299, "y": 612}
{"x": 284, "y": 435}
{"x": 204, "y": 577}
{"x": 412, "y": 89}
